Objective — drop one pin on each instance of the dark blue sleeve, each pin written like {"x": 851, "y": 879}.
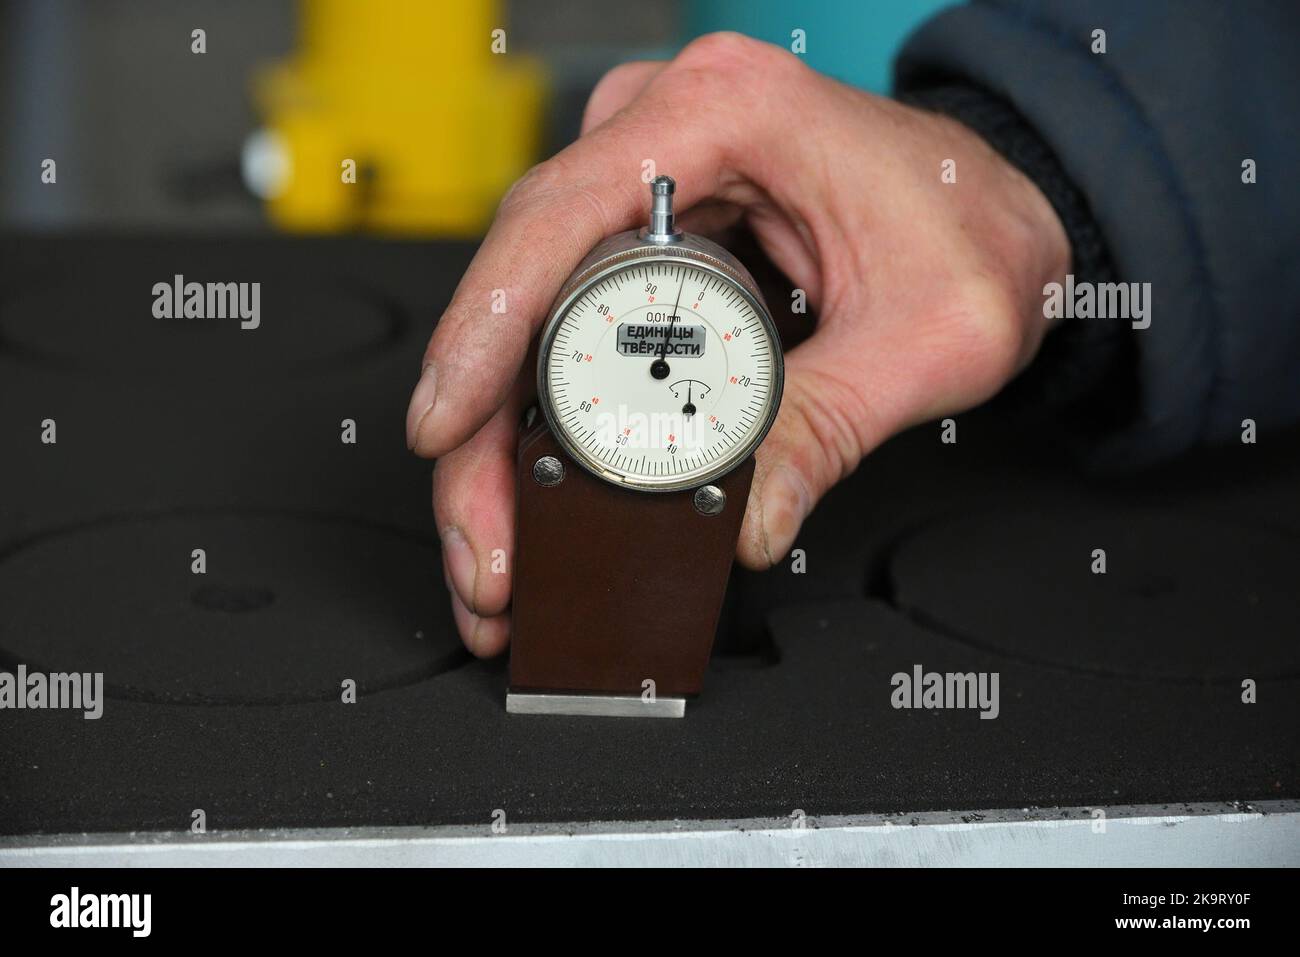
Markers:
{"x": 1154, "y": 133}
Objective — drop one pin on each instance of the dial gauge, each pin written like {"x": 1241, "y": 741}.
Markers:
{"x": 661, "y": 372}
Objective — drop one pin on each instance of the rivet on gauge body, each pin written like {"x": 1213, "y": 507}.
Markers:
{"x": 709, "y": 499}
{"x": 548, "y": 471}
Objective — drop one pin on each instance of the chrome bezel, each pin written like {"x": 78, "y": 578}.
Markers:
{"x": 597, "y": 272}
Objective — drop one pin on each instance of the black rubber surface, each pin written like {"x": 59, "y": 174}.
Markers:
{"x": 322, "y": 565}
{"x": 346, "y": 318}
{"x": 288, "y": 608}
{"x": 1032, "y": 584}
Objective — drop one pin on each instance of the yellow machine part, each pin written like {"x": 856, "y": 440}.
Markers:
{"x": 437, "y": 124}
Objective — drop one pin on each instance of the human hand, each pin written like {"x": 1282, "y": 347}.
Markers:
{"x": 928, "y": 294}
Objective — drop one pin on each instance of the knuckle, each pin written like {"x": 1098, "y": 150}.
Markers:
{"x": 990, "y": 335}
{"x": 713, "y": 68}
{"x": 963, "y": 353}
{"x": 543, "y": 179}
{"x": 731, "y": 82}
{"x": 739, "y": 58}
{"x": 720, "y": 50}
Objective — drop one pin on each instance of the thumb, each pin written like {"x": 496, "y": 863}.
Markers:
{"x": 826, "y": 425}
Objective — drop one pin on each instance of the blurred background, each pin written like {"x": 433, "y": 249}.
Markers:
{"x": 396, "y": 117}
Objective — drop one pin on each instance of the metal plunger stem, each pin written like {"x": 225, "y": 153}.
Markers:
{"x": 662, "y": 226}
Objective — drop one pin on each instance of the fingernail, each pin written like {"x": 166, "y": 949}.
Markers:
{"x": 422, "y": 399}
{"x": 786, "y": 503}
{"x": 461, "y": 564}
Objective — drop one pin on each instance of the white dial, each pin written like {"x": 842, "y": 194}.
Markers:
{"x": 661, "y": 373}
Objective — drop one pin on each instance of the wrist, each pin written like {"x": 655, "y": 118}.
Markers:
{"x": 1050, "y": 241}
{"x": 1078, "y": 358}
{"x": 999, "y": 124}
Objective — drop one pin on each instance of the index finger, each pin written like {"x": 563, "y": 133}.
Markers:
{"x": 544, "y": 227}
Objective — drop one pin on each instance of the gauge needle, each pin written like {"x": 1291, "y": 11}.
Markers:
{"x": 659, "y": 368}
{"x": 689, "y": 407}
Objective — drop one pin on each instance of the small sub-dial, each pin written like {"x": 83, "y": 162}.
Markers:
{"x": 690, "y": 390}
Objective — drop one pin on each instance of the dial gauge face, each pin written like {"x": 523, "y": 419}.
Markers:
{"x": 660, "y": 374}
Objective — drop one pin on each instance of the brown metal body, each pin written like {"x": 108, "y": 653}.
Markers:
{"x": 614, "y": 587}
